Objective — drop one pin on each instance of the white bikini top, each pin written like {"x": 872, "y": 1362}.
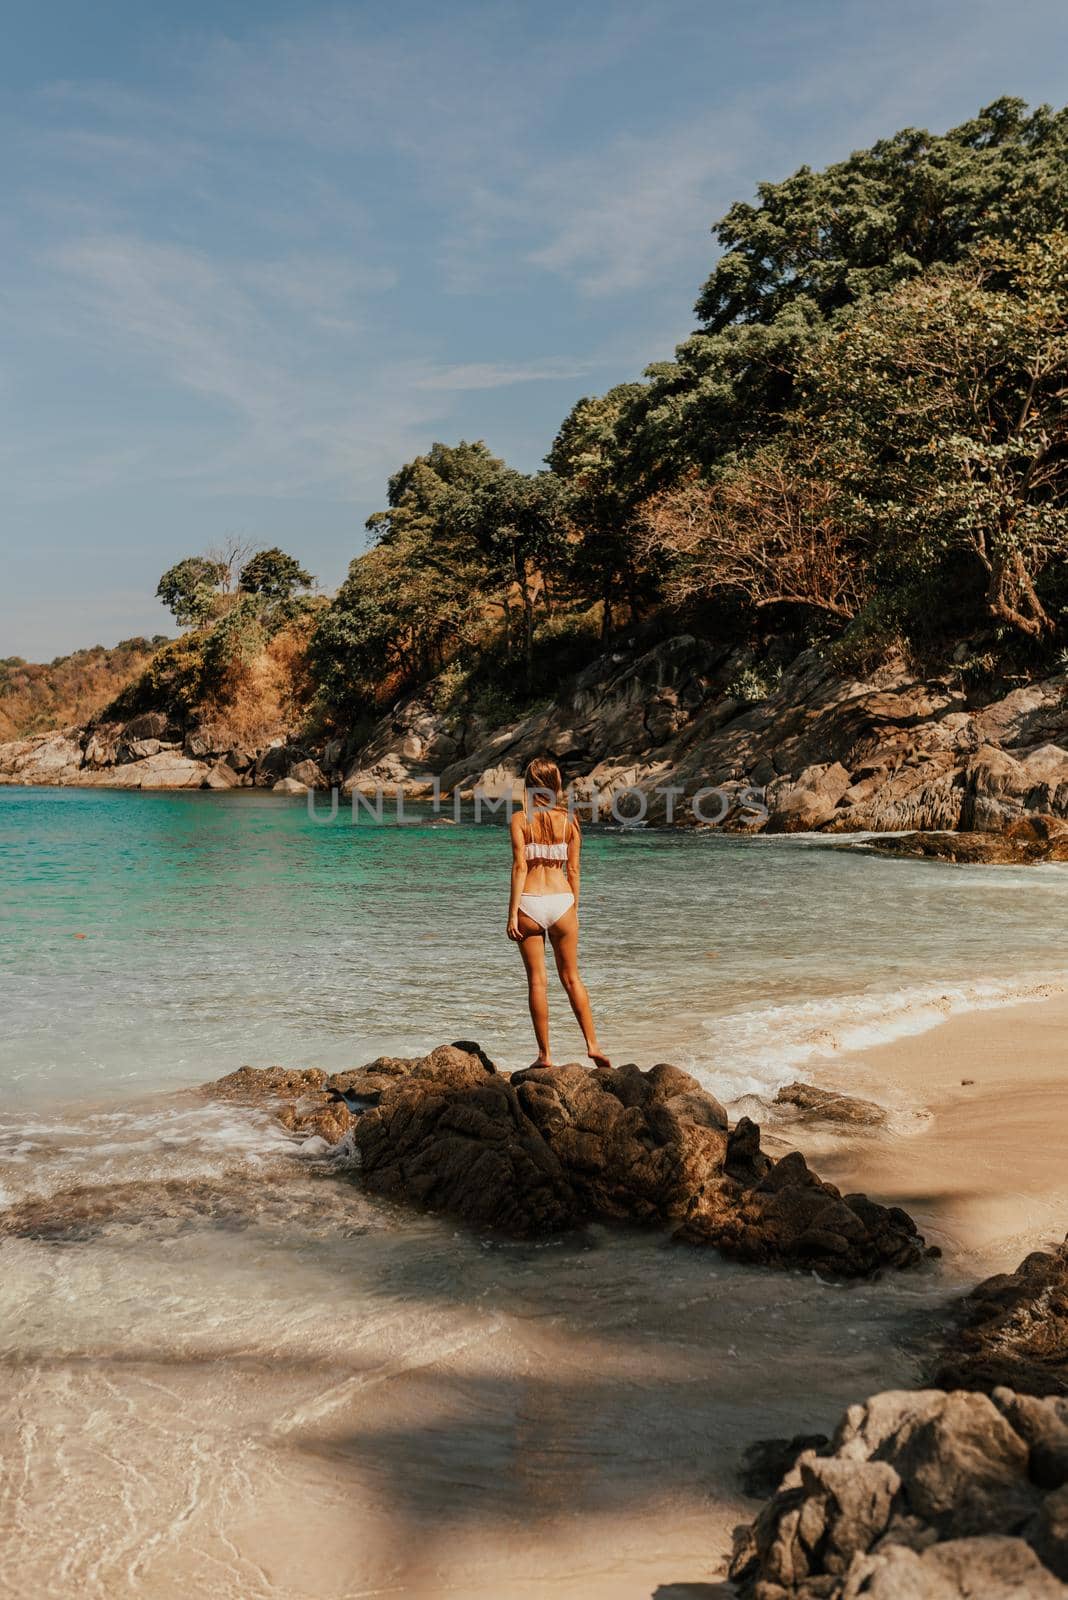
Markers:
{"x": 548, "y": 850}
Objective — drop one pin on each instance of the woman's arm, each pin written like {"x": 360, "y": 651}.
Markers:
{"x": 519, "y": 874}
{"x": 574, "y": 850}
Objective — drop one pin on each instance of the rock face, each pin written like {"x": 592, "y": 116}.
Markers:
{"x": 1013, "y": 1330}
{"x": 47, "y": 758}
{"x": 552, "y": 1147}
{"x": 148, "y": 752}
{"x": 825, "y": 751}
{"x": 816, "y": 751}
{"x": 922, "y": 1495}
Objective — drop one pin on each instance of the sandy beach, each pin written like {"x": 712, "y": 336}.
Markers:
{"x": 984, "y": 1098}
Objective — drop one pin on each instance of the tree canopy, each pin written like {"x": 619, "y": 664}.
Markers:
{"x": 862, "y": 441}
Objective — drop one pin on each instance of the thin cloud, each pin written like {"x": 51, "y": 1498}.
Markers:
{"x": 499, "y": 375}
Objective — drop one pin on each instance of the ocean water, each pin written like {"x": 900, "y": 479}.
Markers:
{"x": 225, "y": 1371}
{"x": 154, "y": 941}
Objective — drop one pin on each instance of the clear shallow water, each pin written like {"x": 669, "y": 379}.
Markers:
{"x": 223, "y": 929}
{"x": 235, "y": 1374}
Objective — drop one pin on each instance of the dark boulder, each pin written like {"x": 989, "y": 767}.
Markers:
{"x": 552, "y": 1147}
{"x": 1023, "y": 841}
{"x": 809, "y": 1103}
{"x": 1012, "y": 1330}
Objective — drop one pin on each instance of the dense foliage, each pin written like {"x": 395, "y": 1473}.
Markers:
{"x": 863, "y": 445}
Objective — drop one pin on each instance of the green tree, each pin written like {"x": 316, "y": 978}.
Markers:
{"x": 943, "y": 410}
{"x": 820, "y": 244}
{"x": 273, "y": 574}
{"x": 601, "y": 502}
{"x": 190, "y": 589}
{"x": 519, "y": 525}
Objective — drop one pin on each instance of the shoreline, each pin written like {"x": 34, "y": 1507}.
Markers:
{"x": 982, "y": 1172}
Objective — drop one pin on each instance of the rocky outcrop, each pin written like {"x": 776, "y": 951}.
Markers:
{"x": 1013, "y": 1330}
{"x": 1024, "y": 841}
{"x": 150, "y": 752}
{"x": 824, "y": 751}
{"x": 548, "y": 1148}
{"x": 925, "y": 1494}
{"x": 410, "y": 747}
{"x": 47, "y": 758}
{"x": 805, "y": 748}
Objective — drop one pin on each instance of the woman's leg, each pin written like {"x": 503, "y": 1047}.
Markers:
{"x": 532, "y": 949}
{"x": 564, "y": 938}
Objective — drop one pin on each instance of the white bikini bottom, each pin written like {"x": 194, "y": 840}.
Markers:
{"x": 545, "y": 909}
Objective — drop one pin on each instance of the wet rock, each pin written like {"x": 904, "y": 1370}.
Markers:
{"x": 289, "y": 786}
{"x": 790, "y": 1217}
{"x": 552, "y": 1147}
{"x": 1023, "y": 840}
{"x": 254, "y": 1085}
{"x": 920, "y": 1494}
{"x": 1013, "y": 1330}
{"x": 814, "y": 1104}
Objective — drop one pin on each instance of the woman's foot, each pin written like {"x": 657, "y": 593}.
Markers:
{"x": 542, "y": 1061}
{"x": 597, "y": 1056}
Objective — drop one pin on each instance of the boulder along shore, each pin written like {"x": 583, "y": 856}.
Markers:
{"x": 823, "y": 751}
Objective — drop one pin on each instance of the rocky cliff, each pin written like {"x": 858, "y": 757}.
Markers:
{"x": 820, "y": 750}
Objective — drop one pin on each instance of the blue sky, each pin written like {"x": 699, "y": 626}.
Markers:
{"x": 255, "y": 255}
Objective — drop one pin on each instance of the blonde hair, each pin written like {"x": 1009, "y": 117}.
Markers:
{"x": 543, "y": 776}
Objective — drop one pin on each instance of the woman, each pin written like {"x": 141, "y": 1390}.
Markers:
{"x": 546, "y": 841}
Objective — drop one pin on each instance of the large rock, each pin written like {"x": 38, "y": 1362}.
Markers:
{"x": 802, "y": 804}
{"x": 922, "y": 1494}
{"x": 167, "y": 770}
{"x": 551, "y": 1147}
{"x": 307, "y": 773}
{"x": 1013, "y": 1330}
{"x": 222, "y": 776}
{"x": 102, "y": 744}
{"x": 1025, "y": 840}
{"x": 47, "y": 758}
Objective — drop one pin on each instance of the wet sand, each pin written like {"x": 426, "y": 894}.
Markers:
{"x": 319, "y": 1401}
{"x": 983, "y": 1169}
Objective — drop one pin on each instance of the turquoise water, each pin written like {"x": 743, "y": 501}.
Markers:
{"x": 153, "y": 941}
